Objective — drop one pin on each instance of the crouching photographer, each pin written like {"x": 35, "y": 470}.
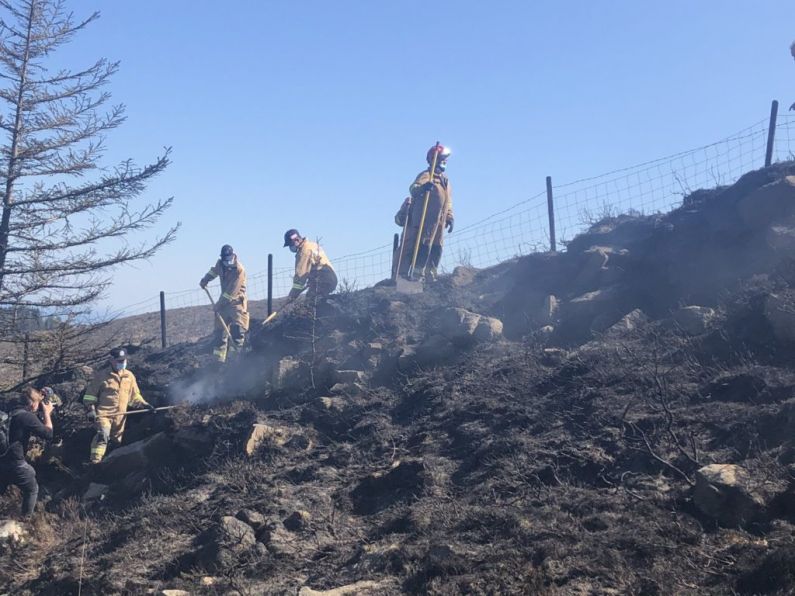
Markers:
{"x": 24, "y": 423}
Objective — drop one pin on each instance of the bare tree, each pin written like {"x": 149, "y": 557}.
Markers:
{"x": 60, "y": 234}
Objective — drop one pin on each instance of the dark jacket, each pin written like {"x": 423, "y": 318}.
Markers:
{"x": 24, "y": 424}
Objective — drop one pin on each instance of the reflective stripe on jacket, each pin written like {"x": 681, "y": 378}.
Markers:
{"x": 112, "y": 392}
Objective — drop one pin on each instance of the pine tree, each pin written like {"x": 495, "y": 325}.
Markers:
{"x": 62, "y": 232}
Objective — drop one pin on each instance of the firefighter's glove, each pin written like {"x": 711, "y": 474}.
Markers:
{"x": 792, "y": 108}
{"x": 91, "y": 415}
{"x": 450, "y": 227}
{"x": 428, "y": 187}
{"x": 202, "y": 284}
{"x": 150, "y": 408}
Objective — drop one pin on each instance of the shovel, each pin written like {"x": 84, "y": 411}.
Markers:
{"x": 221, "y": 320}
{"x": 131, "y": 412}
{"x": 431, "y": 172}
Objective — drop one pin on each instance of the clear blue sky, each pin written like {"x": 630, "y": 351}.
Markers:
{"x": 317, "y": 114}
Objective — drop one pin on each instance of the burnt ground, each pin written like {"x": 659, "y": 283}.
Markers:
{"x": 559, "y": 456}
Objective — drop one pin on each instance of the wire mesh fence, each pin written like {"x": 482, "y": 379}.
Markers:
{"x": 649, "y": 187}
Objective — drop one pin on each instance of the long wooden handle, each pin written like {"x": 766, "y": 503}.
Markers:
{"x": 431, "y": 171}
{"x": 217, "y": 314}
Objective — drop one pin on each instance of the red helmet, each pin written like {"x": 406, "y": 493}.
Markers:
{"x": 444, "y": 153}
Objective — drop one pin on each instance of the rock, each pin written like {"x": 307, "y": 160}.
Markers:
{"x": 488, "y": 329}
{"x": 222, "y": 545}
{"x": 546, "y": 330}
{"x": 278, "y": 539}
{"x": 629, "y": 322}
{"x": 693, "y": 320}
{"x": 347, "y": 389}
{"x": 461, "y": 326}
{"x": 553, "y": 356}
{"x": 361, "y": 588}
{"x": 779, "y": 311}
{"x": 405, "y": 481}
{"x": 463, "y": 276}
{"x": 173, "y": 593}
{"x": 781, "y": 238}
{"x": 773, "y": 202}
{"x": 194, "y": 440}
{"x": 135, "y": 457}
{"x": 594, "y": 265}
{"x": 724, "y": 493}
{"x": 549, "y": 310}
{"x": 593, "y": 303}
{"x": 95, "y": 492}
{"x": 434, "y": 350}
{"x": 297, "y": 521}
{"x": 261, "y": 433}
{"x": 349, "y": 376}
{"x": 12, "y": 532}
{"x": 457, "y": 323}
{"x": 208, "y": 580}
{"x": 373, "y": 559}
{"x": 236, "y": 532}
{"x": 374, "y": 347}
{"x": 333, "y": 404}
{"x": 287, "y": 373}
{"x": 253, "y": 518}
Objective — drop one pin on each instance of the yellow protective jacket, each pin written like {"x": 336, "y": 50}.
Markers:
{"x": 233, "y": 282}
{"x": 440, "y": 206}
{"x": 112, "y": 392}
{"x": 310, "y": 257}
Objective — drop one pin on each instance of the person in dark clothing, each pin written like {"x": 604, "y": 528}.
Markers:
{"x": 14, "y": 469}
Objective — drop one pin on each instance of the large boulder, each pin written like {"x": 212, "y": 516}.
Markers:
{"x": 725, "y": 492}
{"x": 135, "y": 457}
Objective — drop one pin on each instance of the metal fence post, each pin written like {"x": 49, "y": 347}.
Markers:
{"x": 270, "y": 284}
{"x": 771, "y": 133}
{"x": 25, "y": 352}
{"x": 551, "y": 211}
{"x": 163, "y": 319}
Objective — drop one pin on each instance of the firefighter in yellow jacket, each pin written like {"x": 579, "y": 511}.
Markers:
{"x": 313, "y": 270}
{"x": 107, "y": 397}
{"x": 232, "y": 306}
{"x": 438, "y": 215}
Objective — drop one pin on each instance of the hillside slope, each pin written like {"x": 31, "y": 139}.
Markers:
{"x": 615, "y": 419}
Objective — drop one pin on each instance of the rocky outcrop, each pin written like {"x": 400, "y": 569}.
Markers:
{"x": 726, "y": 493}
{"x": 693, "y": 320}
{"x": 225, "y": 543}
{"x": 462, "y": 326}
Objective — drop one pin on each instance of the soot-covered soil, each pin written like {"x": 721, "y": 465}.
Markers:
{"x": 405, "y": 445}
